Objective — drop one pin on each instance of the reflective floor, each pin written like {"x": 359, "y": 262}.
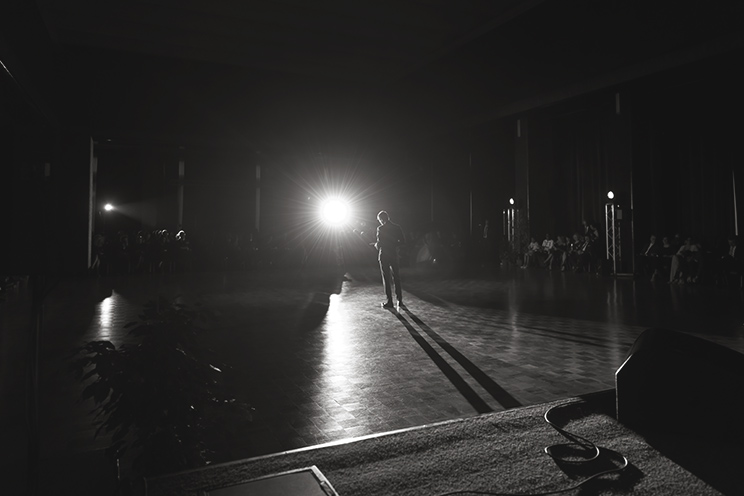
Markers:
{"x": 462, "y": 346}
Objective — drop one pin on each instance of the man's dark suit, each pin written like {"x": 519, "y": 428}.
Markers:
{"x": 389, "y": 237}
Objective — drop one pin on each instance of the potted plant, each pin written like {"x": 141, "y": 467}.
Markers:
{"x": 161, "y": 396}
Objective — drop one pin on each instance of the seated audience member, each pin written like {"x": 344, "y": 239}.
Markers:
{"x": 694, "y": 261}
{"x": 564, "y": 248}
{"x": 547, "y": 245}
{"x": 590, "y": 231}
{"x": 551, "y": 251}
{"x": 139, "y": 250}
{"x": 578, "y": 253}
{"x": 572, "y": 246}
{"x": 707, "y": 258}
{"x": 665, "y": 257}
{"x": 586, "y": 253}
{"x": 530, "y": 258}
{"x": 649, "y": 258}
{"x": 165, "y": 253}
{"x": 676, "y": 242}
{"x": 182, "y": 251}
{"x": 684, "y": 262}
{"x": 124, "y": 254}
{"x": 731, "y": 262}
{"x": 99, "y": 253}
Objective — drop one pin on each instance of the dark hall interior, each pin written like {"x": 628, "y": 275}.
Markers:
{"x": 232, "y": 121}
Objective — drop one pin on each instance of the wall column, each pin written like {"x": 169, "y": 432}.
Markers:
{"x": 93, "y": 200}
{"x": 181, "y": 173}
{"x": 621, "y": 177}
{"x": 522, "y": 184}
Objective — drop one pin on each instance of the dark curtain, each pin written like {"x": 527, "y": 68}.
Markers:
{"x": 571, "y": 168}
{"x": 671, "y": 152}
{"x": 581, "y": 154}
{"x": 687, "y": 149}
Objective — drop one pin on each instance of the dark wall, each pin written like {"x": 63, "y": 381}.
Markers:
{"x": 666, "y": 145}
{"x": 45, "y": 178}
{"x": 220, "y": 190}
{"x": 682, "y": 140}
{"x": 141, "y": 183}
{"x": 22, "y": 186}
{"x": 579, "y": 151}
{"x": 564, "y": 47}
{"x": 686, "y": 148}
{"x": 493, "y": 173}
{"x": 44, "y": 151}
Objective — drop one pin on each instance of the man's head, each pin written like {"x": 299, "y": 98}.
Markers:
{"x": 383, "y": 217}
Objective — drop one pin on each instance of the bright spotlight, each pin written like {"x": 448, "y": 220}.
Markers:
{"x": 610, "y": 195}
{"x": 511, "y": 201}
{"x": 335, "y": 212}
{"x": 108, "y": 207}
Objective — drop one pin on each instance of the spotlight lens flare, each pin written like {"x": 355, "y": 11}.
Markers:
{"x": 610, "y": 195}
{"x": 335, "y": 212}
{"x": 108, "y": 207}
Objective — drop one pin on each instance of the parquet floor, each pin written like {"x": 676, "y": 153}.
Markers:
{"x": 462, "y": 346}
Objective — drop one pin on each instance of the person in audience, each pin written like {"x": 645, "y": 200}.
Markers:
{"x": 648, "y": 259}
{"x": 730, "y": 262}
{"x": 694, "y": 262}
{"x": 591, "y": 239}
{"x": 550, "y": 250}
{"x": 486, "y": 245}
{"x": 165, "y": 251}
{"x": 562, "y": 247}
{"x": 546, "y": 249}
{"x": 591, "y": 233}
{"x": 530, "y": 257}
{"x": 665, "y": 257}
{"x": 140, "y": 250}
{"x": 586, "y": 252}
{"x": 124, "y": 254}
{"x": 676, "y": 242}
{"x": 182, "y": 251}
{"x": 575, "y": 255}
{"x": 99, "y": 253}
{"x": 684, "y": 262}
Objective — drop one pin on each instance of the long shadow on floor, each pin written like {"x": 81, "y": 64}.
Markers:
{"x": 456, "y": 379}
{"x": 497, "y": 392}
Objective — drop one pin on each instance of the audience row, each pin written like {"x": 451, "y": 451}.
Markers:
{"x": 673, "y": 259}
{"x": 581, "y": 252}
{"x": 691, "y": 261}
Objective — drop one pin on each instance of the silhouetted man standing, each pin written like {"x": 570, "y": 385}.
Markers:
{"x": 389, "y": 237}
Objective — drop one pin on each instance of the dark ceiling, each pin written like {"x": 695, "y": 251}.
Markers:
{"x": 272, "y": 73}
{"x": 370, "y": 41}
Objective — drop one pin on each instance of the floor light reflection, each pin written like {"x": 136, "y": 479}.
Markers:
{"x": 337, "y": 329}
{"x": 106, "y": 317}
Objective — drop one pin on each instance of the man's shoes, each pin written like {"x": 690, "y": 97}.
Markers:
{"x": 388, "y": 304}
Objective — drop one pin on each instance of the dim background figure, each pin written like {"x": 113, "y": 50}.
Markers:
{"x": 390, "y": 236}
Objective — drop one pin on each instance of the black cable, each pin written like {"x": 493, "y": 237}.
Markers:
{"x": 584, "y": 445}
